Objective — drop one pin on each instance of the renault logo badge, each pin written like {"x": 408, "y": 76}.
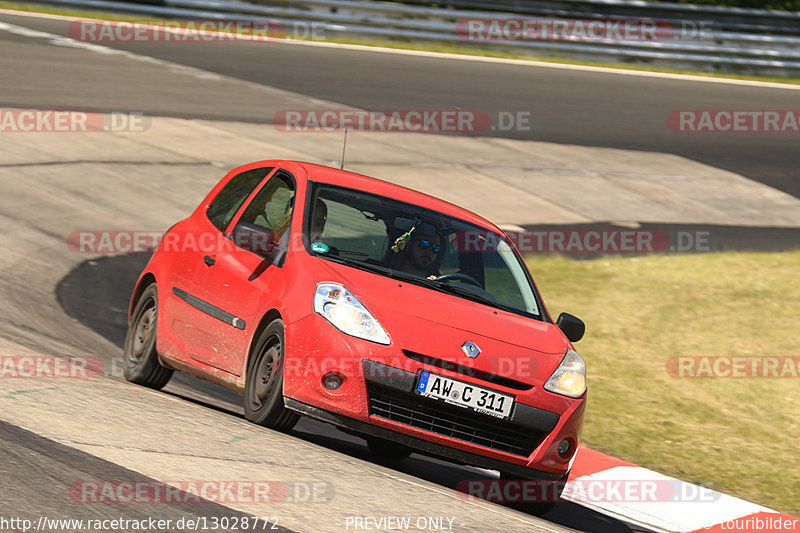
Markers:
{"x": 471, "y": 349}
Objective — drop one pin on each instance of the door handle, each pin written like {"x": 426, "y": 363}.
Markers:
{"x": 208, "y": 260}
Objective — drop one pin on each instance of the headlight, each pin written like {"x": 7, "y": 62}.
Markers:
{"x": 569, "y": 379}
{"x": 343, "y": 310}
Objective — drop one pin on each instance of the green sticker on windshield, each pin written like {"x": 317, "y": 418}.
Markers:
{"x": 319, "y": 247}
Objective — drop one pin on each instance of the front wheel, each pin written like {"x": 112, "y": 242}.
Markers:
{"x": 140, "y": 358}
{"x": 263, "y": 389}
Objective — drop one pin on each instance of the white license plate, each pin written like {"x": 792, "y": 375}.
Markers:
{"x": 465, "y": 394}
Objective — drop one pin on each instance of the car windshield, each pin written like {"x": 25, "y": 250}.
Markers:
{"x": 422, "y": 246}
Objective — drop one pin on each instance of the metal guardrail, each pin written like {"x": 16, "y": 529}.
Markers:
{"x": 712, "y": 50}
{"x": 724, "y": 18}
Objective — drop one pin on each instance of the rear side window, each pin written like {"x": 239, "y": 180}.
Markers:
{"x": 233, "y": 195}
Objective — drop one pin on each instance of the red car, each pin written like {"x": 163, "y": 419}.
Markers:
{"x": 386, "y": 312}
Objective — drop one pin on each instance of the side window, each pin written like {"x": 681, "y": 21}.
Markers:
{"x": 272, "y": 207}
{"x": 233, "y": 195}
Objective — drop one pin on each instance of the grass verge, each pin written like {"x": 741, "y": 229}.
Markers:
{"x": 427, "y": 47}
{"x": 735, "y": 435}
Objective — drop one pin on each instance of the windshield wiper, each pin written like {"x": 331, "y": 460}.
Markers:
{"x": 448, "y": 288}
{"x": 377, "y": 269}
{"x": 386, "y": 271}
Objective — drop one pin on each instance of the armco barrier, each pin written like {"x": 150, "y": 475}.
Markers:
{"x": 706, "y": 41}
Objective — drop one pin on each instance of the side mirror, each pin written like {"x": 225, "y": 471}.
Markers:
{"x": 572, "y": 326}
{"x": 256, "y": 239}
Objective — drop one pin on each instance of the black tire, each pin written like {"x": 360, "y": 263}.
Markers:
{"x": 140, "y": 358}
{"x": 551, "y": 490}
{"x": 387, "y": 450}
{"x": 263, "y": 389}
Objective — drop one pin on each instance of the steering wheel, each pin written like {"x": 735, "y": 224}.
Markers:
{"x": 460, "y": 277}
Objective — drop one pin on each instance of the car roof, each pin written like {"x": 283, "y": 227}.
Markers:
{"x": 344, "y": 178}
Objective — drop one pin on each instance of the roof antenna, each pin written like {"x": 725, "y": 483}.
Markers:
{"x": 344, "y": 147}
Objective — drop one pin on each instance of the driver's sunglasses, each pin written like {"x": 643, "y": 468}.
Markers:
{"x": 424, "y": 245}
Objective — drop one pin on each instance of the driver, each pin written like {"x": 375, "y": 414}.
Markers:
{"x": 319, "y": 220}
{"x": 422, "y": 256}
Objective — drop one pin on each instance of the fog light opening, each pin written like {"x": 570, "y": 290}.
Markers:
{"x": 565, "y": 448}
{"x": 332, "y": 381}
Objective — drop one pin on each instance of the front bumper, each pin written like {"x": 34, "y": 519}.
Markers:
{"x": 378, "y": 399}
{"x": 429, "y": 448}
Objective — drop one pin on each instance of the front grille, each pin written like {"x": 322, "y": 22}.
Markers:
{"x": 468, "y": 371}
{"x": 452, "y": 421}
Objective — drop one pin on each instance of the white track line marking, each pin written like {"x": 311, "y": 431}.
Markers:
{"x": 58, "y": 40}
{"x": 464, "y": 57}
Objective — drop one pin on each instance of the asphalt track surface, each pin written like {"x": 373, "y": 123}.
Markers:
{"x": 33, "y": 466}
{"x": 569, "y": 107}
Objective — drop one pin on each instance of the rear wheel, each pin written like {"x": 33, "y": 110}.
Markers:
{"x": 546, "y": 494}
{"x": 141, "y": 360}
{"x": 387, "y": 450}
{"x": 263, "y": 390}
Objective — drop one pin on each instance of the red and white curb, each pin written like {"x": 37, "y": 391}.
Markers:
{"x": 637, "y": 495}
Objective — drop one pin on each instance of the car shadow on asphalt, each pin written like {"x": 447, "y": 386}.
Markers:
{"x": 96, "y": 293}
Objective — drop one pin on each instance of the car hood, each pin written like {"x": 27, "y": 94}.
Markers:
{"x": 424, "y": 320}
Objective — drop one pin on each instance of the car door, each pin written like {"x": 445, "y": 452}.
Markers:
{"x": 234, "y": 283}
{"x": 181, "y": 309}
